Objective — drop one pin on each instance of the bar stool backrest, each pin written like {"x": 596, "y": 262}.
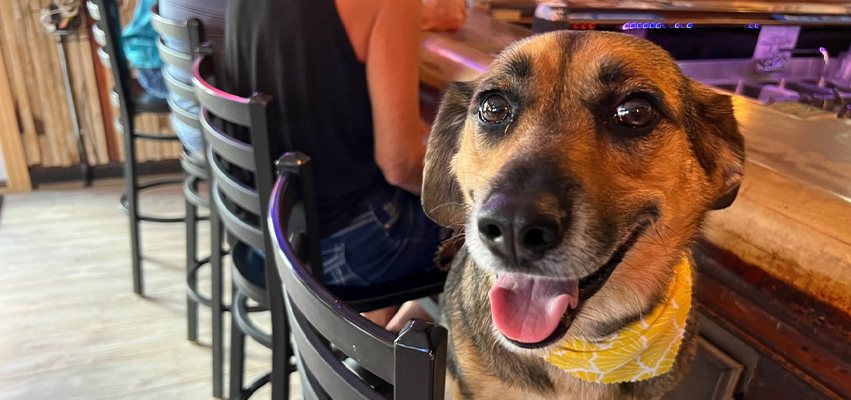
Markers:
{"x": 234, "y": 127}
{"x": 107, "y": 33}
{"x": 414, "y": 362}
{"x": 192, "y": 33}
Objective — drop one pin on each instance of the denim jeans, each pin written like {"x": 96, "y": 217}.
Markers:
{"x": 153, "y": 82}
{"x": 391, "y": 238}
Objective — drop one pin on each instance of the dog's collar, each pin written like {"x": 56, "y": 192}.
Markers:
{"x": 642, "y": 350}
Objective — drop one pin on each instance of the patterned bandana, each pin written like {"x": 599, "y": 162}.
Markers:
{"x": 644, "y": 349}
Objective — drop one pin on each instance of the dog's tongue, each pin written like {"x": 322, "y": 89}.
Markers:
{"x": 528, "y": 309}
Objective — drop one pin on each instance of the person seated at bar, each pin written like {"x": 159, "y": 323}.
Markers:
{"x": 141, "y": 50}
{"x": 344, "y": 75}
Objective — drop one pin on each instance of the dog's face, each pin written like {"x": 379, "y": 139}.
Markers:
{"x": 581, "y": 166}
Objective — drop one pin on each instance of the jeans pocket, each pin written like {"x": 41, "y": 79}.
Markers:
{"x": 338, "y": 272}
{"x": 387, "y": 213}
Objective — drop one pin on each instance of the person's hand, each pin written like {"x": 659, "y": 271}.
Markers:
{"x": 443, "y": 15}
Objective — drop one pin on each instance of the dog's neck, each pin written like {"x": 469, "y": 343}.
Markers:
{"x": 642, "y": 350}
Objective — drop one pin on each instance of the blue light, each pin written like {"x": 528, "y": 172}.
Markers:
{"x": 756, "y": 26}
{"x": 677, "y": 25}
{"x": 646, "y": 25}
{"x": 750, "y": 26}
{"x": 690, "y": 25}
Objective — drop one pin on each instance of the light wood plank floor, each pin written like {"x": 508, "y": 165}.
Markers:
{"x": 71, "y": 326}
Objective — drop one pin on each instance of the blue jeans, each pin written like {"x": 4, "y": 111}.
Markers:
{"x": 153, "y": 82}
{"x": 391, "y": 238}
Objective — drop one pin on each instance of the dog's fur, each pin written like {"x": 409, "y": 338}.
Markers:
{"x": 563, "y": 88}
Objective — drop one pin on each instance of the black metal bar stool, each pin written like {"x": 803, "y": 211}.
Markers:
{"x": 241, "y": 184}
{"x": 132, "y": 100}
{"x": 412, "y": 364}
{"x": 195, "y": 173}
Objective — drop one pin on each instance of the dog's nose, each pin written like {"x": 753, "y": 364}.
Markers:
{"x": 519, "y": 227}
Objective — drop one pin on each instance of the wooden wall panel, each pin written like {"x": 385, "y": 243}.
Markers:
{"x": 11, "y": 146}
{"x": 40, "y": 107}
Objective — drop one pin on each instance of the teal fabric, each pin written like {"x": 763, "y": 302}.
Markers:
{"x": 140, "y": 40}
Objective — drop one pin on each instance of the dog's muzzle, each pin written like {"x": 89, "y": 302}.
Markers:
{"x": 520, "y": 228}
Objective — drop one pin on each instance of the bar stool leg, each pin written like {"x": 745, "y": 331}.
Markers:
{"x": 216, "y": 307}
{"x": 281, "y": 353}
{"x": 237, "y": 348}
{"x": 132, "y": 194}
{"x": 281, "y": 350}
{"x": 191, "y": 261}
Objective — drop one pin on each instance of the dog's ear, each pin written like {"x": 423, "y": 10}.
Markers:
{"x": 716, "y": 141}
{"x": 441, "y": 196}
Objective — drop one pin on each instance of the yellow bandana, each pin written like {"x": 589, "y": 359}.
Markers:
{"x": 642, "y": 350}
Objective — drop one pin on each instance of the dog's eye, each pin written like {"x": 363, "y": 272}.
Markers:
{"x": 494, "y": 109}
{"x": 635, "y": 112}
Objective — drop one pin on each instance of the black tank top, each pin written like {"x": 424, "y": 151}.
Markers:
{"x": 298, "y": 51}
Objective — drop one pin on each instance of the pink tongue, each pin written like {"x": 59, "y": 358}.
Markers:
{"x": 528, "y": 309}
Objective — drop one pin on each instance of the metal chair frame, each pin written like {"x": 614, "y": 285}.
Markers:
{"x": 221, "y": 113}
{"x": 196, "y": 171}
{"x": 107, "y": 34}
{"x": 413, "y": 362}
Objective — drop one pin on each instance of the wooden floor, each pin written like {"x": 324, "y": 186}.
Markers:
{"x": 71, "y": 326}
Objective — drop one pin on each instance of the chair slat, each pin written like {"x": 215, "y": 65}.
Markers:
{"x": 232, "y": 150}
{"x": 236, "y": 192}
{"x": 183, "y": 90}
{"x": 370, "y": 345}
{"x": 240, "y": 229}
{"x": 165, "y": 26}
{"x": 99, "y": 35}
{"x": 174, "y": 57}
{"x": 104, "y": 58}
{"x": 185, "y": 116}
{"x": 94, "y": 11}
{"x": 224, "y": 105}
{"x": 309, "y": 387}
{"x": 333, "y": 377}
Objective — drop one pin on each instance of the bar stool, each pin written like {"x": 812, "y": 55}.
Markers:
{"x": 195, "y": 172}
{"x": 412, "y": 363}
{"x": 132, "y": 100}
{"x": 242, "y": 178}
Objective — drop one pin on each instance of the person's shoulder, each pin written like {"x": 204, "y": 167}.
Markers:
{"x": 366, "y": 7}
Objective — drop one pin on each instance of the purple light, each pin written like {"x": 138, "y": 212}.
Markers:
{"x": 646, "y": 25}
{"x": 690, "y": 25}
{"x": 625, "y": 26}
{"x": 677, "y": 25}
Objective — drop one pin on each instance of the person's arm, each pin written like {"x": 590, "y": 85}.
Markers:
{"x": 392, "y": 68}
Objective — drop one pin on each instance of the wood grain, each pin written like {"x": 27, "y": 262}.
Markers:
{"x": 10, "y": 21}
{"x": 793, "y": 216}
{"x": 11, "y": 145}
{"x": 72, "y": 328}
{"x": 38, "y": 93}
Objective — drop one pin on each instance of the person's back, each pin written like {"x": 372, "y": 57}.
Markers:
{"x": 340, "y": 99}
{"x": 322, "y": 104}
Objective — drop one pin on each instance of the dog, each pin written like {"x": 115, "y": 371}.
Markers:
{"x": 580, "y": 167}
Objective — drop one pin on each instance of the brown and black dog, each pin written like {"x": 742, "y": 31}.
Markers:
{"x": 579, "y": 157}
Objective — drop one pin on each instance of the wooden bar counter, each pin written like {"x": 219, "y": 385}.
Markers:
{"x": 775, "y": 268}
